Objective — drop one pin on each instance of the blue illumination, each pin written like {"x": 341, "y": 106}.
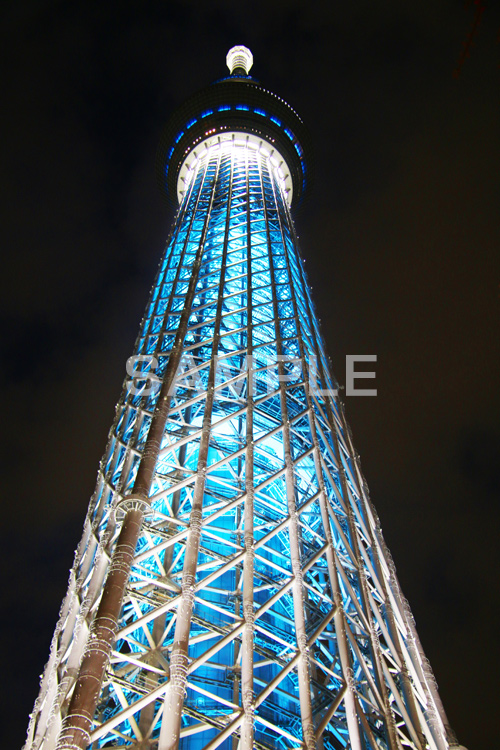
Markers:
{"x": 243, "y": 107}
{"x": 277, "y": 283}
{"x": 260, "y": 593}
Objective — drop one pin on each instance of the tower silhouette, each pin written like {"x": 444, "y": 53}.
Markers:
{"x": 232, "y": 587}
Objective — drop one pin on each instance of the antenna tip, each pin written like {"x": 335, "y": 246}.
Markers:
{"x": 239, "y": 60}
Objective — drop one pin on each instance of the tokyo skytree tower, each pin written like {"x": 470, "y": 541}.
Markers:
{"x": 232, "y": 587}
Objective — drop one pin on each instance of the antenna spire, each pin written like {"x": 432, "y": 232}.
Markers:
{"x": 239, "y": 60}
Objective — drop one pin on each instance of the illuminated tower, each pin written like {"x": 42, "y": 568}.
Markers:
{"x": 232, "y": 587}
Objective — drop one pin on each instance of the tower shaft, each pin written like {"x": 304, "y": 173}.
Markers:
{"x": 232, "y": 587}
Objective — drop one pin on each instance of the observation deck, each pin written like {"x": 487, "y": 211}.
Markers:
{"x": 233, "y": 106}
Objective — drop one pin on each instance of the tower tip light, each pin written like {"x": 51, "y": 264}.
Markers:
{"x": 239, "y": 58}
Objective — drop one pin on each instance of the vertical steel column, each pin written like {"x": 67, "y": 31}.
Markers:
{"x": 175, "y": 691}
{"x": 375, "y": 646}
{"x": 309, "y": 735}
{"x": 419, "y": 739}
{"x": 144, "y": 332}
{"x": 392, "y": 738}
{"x": 438, "y": 736}
{"x": 102, "y": 539}
{"x": 147, "y": 713}
{"x": 247, "y": 641}
{"x": 76, "y": 727}
{"x": 77, "y": 724}
{"x": 339, "y": 616}
{"x": 436, "y": 725}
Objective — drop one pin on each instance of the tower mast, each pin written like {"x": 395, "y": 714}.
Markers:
{"x": 232, "y": 587}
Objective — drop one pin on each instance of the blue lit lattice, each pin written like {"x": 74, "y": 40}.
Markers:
{"x": 296, "y": 625}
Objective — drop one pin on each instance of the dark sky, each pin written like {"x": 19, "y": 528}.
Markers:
{"x": 401, "y": 235}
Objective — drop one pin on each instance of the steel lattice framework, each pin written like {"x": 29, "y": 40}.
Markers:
{"x": 232, "y": 587}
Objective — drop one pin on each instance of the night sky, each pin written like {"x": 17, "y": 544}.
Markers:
{"x": 401, "y": 234}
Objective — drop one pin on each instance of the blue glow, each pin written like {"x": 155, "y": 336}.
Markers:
{"x": 207, "y": 113}
{"x": 243, "y": 107}
{"x": 277, "y": 283}
{"x": 261, "y": 570}
{"x": 191, "y": 123}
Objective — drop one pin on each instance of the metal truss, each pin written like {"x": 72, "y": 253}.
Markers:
{"x": 232, "y": 587}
